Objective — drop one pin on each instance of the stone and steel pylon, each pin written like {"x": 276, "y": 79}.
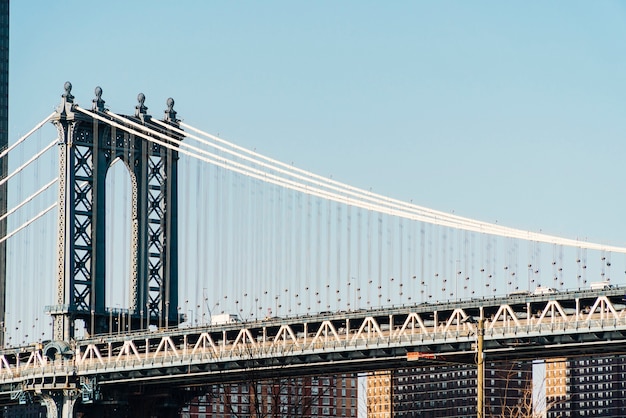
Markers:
{"x": 88, "y": 145}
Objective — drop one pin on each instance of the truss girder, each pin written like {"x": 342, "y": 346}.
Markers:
{"x": 457, "y": 321}
{"x": 359, "y": 338}
{"x": 604, "y": 309}
{"x": 368, "y": 330}
{"x": 553, "y": 312}
{"x": 506, "y": 315}
{"x": 413, "y": 324}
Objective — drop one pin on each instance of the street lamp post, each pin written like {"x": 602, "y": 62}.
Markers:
{"x": 480, "y": 365}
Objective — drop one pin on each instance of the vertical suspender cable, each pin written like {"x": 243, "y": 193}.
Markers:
{"x": 217, "y": 261}
{"x": 338, "y": 232}
{"x": 369, "y": 258}
{"x": 308, "y": 248}
{"x": 359, "y": 249}
{"x": 280, "y": 242}
{"x": 380, "y": 258}
{"x": 350, "y": 291}
{"x": 390, "y": 276}
{"x": 401, "y": 260}
{"x": 422, "y": 274}
{"x": 318, "y": 253}
{"x": 437, "y": 279}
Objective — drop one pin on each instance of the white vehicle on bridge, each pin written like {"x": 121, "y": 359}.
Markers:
{"x": 541, "y": 290}
{"x": 604, "y": 285}
{"x": 222, "y": 319}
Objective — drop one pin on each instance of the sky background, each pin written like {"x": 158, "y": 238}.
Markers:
{"x": 507, "y": 112}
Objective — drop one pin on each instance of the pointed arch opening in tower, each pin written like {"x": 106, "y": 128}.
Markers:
{"x": 118, "y": 242}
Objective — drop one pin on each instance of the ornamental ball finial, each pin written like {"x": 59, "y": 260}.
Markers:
{"x": 69, "y": 98}
{"x": 170, "y": 113}
{"x": 98, "y": 103}
{"x": 141, "y": 110}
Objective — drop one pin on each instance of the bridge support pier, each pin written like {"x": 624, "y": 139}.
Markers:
{"x": 60, "y": 404}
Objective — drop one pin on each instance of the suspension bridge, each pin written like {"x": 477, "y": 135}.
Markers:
{"x": 147, "y": 257}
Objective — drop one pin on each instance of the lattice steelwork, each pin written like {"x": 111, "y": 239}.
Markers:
{"x": 87, "y": 148}
{"x": 158, "y": 195}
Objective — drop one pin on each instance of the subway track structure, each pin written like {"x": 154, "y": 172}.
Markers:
{"x": 183, "y": 360}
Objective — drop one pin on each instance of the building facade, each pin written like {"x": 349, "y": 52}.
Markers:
{"x": 449, "y": 390}
{"x": 299, "y": 397}
{"x": 379, "y": 394}
{"x": 586, "y": 387}
{"x": 31, "y": 410}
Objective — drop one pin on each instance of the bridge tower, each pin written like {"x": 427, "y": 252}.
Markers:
{"x": 88, "y": 146}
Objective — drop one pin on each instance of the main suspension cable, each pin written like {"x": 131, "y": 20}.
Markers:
{"x": 28, "y": 199}
{"x": 33, "y": 158}
{"x": 27, "y": 223}
{"x": 19, "y": 141}
{"x": 463, "y": 223}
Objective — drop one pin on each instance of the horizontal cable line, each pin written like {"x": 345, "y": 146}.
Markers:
{"x": 440, "y": 218}
{"x": 33, "y": 158}
{"x": 28, "y": 199}
{"x": 27, "y": 223}
{"x": 485, "y": 227}
{"x": 273, "y": 179}
{"x": 478, "y": 227}
{"x": 19, "y": 141}
{"x": 463, "y": 223}
{"x": 326, "y": 182}
{"x": 436, "y": 215}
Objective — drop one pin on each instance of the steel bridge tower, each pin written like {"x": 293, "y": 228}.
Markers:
{"x": 88, "y": 146}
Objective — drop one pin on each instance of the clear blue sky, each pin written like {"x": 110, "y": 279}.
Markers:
{"x": 501, "y": 111}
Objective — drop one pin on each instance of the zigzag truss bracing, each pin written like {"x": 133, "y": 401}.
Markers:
{"x": 514, "y": 327}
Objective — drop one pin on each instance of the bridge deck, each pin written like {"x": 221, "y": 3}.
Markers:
{"x": 515, "y": 327}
